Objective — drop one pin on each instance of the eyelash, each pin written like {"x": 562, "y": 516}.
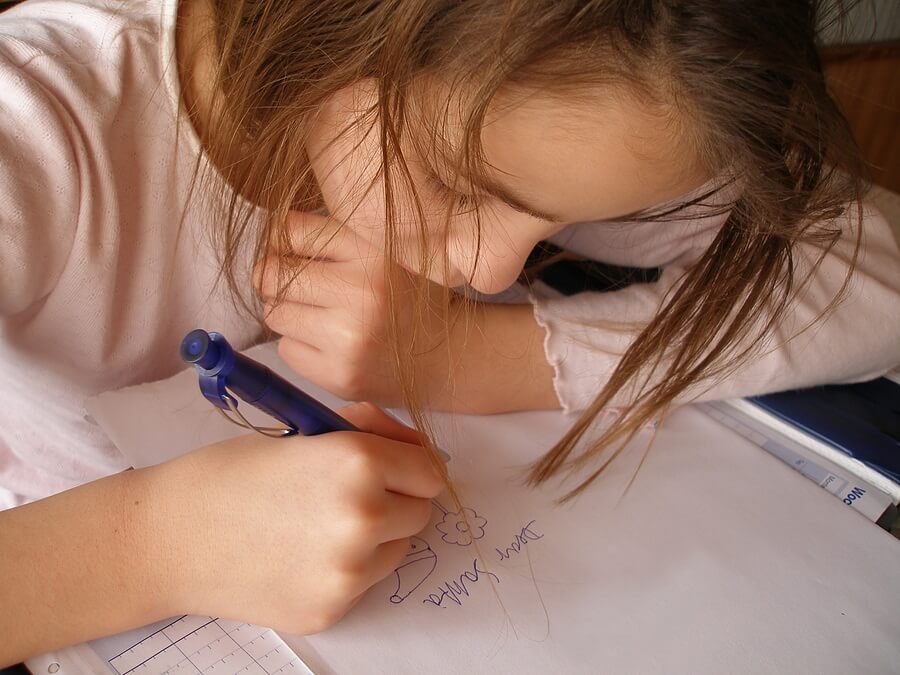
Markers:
{"x": 461, "y": 203}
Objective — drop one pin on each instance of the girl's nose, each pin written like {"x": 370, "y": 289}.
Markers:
{"x": 499, "y": 265}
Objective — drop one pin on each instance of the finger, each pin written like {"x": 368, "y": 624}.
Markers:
{"x": 403, "y": 516}
{"x": 315, "y": 282}
{"x": 341, "y": 363}
{"x": 302, "y": 323}
{"x": 311, "y": 235}
{"x": 369, "y": 417}
{"x": 298, "y": 355}
{"x": 321, "y": 237}
{"x": 406, "y": 468}
{"x": 386, "y": 558}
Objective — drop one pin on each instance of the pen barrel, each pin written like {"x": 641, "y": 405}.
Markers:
{"x": 258, "y": 385}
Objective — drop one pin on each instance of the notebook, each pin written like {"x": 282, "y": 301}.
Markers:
{"x": 861, "y": 420}
{"x": 718, "y": 558}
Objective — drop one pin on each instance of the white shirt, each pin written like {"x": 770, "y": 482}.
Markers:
{"x": 97, "y": 285}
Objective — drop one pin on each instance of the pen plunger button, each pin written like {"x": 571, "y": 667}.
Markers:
{"x": 197, "y": 348}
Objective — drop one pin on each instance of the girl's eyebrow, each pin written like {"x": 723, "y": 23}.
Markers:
{"x": 503, "y": 193}
{"x": 513, "y": 201}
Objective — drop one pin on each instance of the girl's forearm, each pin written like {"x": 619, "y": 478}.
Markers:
{"x": 498, "y": 363}
{"x": 88, "y": 562}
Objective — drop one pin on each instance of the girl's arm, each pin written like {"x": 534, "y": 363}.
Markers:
{"x": 84, "y": 563}
{"x": 587, "y": 333}
{"x": 497, "y": 364}
{"x": 561, "y": 352}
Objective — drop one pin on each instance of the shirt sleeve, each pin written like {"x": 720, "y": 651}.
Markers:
{"x": 587, "y": 334}
{"x": 39, "y": 186}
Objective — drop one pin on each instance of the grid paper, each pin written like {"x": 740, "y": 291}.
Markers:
{"x": 201, "y": 644}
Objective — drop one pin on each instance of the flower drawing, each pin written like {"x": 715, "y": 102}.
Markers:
{"x": 461, "y": 528}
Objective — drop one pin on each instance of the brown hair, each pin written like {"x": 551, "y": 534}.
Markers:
{"x": 746, "y": 75}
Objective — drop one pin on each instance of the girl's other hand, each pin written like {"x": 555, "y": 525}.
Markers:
{"x": 335, "y": 326}
{"x": 290, "y": 532}
{"x": 334, "y": 317}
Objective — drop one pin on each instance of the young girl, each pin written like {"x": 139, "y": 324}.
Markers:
{"x": 351, "y": 162}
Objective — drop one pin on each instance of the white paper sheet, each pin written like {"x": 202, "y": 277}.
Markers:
{"x": 718, "y": 559}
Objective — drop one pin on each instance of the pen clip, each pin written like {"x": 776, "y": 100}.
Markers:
{"x": 230, "y": 402}
{"x": 213, "y": 389}
{"x": 214, "y": 359}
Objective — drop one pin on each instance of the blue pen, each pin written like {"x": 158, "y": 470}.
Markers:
{"x": 224, "y": 372}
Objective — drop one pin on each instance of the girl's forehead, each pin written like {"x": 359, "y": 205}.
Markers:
{"x": 599, "y": 155}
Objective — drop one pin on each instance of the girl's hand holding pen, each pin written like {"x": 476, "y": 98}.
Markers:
{"x": 290, "y": 532}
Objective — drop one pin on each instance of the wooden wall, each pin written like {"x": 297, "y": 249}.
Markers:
{"x": 865, "y": 80}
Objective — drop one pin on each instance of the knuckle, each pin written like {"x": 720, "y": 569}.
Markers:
{"x": 371, "y": 515}
{"x": 347, "y": 340}
{"x": 275, "y": 319}
{"x": 344, "y": 534}
{"x": 286, "y": 352}
{"x": 361, "y": 525}
{"x": 323, "y": 619}
{"x": 349, "y": 541}
{"x": 348, "y": 382}
{"x": 354, "y": 340}
{"x": 360, "y": 462}
{"x": 344, "y": 585}
{"x": 349, "y": 536}
{"x": 265, "y": 276}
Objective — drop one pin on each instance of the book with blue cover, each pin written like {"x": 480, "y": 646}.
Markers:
{"x": 861, "y": 420}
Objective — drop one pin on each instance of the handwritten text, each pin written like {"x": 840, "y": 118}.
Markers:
{"x": 456, "y": 590}
{"x": 526, "y": 534}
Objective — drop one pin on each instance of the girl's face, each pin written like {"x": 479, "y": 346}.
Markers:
{"x": 548, "y": 163}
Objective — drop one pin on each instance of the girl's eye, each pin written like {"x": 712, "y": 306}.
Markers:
{"x": 461, "y": 203}
{"x": 464, "y": 202}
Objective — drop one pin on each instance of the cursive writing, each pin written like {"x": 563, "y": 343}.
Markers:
{"x": 456, "y": 590}
{"x": 526, "y": 534}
